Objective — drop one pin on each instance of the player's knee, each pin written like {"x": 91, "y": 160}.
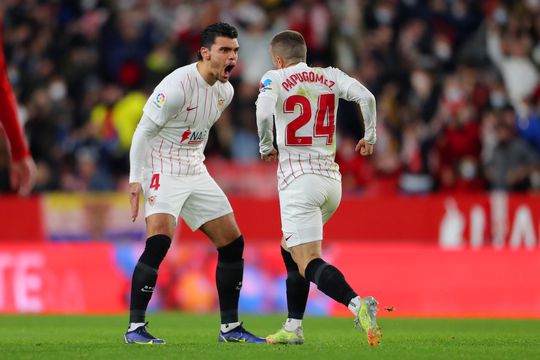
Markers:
{"x": 303, "y": 258}
{"x": 302, "y": 264}
{"x": 231, "y": 252}
{"x": 155, "y": 250}
{"x": 290, "y": 264}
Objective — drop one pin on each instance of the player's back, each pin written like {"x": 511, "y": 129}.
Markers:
{"x": 305, "y": 118}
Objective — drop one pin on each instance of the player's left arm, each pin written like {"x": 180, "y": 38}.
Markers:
{"x": 354, "y": 91}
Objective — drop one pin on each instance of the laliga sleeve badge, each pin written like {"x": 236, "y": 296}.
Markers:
{"x": 159, "y": 100}
{"x": 265, "y": 85}
{"x": 220, "y": 103}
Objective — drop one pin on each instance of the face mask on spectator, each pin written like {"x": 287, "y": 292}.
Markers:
{"x": 383, "y": 15}
{"x": 497, "y": 99}
{"x": 443, "y": 51}
{"x": 453, "y": 94}
{"x": 57, "y": 90}
{"x": 467, "y": 169}
{"x": 500, "y": 16}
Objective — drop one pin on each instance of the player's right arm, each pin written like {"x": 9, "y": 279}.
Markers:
{"x": 266, "y": 104}
{"x": 160, "y": 108}
{"x": 145, "y": 132}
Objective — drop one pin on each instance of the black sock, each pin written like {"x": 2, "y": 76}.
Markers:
{"x": 145, "y": 276}
{"x": 297, "y": 288}
{"x": 330, "y": 281}
{"x": 229, "y": 272}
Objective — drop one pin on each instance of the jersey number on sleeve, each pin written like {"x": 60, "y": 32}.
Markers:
{"x": 325, "y": 105}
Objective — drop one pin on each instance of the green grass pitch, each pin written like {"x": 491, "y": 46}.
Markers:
{"x": 195, "y": 337}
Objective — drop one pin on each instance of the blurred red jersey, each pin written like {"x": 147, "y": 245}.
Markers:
{"x": 8, "y": 110}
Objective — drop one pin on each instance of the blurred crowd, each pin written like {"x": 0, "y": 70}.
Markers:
{"x": 456, "y": 81}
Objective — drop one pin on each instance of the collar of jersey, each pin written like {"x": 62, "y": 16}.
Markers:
{"x": 200, "y": 77}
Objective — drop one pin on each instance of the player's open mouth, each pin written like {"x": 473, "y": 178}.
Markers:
{"x": 228, "y": 70}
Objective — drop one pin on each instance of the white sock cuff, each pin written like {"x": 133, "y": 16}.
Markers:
{"x": 292, "y": 324}
{"x": 229, "y": 326}
{"x": 134, "y": 326}
{"x": 354, "y": 305}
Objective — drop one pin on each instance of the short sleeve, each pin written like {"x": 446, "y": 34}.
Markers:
{"x": 269, "y": 85}
{"x": 164, "y": 103}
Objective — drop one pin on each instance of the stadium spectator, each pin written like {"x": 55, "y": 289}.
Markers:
{"x": 512, "y": 162}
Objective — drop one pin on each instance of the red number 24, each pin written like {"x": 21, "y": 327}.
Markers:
{"x": 325, "y": 105}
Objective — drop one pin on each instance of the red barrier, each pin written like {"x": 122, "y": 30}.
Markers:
{"x": 21, "y": 219}
{"x": 60, "y": 278}
{"x": 496, "y": 220}
{"x": 417, "y": 280}
{"x": 427, "y": 281}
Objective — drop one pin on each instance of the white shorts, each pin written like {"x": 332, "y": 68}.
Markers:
{"x": 306, "y": 205}
{"x": 197, "y": 199}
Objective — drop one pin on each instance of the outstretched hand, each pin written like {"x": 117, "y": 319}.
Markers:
{"x": 271, "y": 156}
{"x": 23, "y": 176}
{"x": 364, "y": 147}
{"x": 134, "y": 190}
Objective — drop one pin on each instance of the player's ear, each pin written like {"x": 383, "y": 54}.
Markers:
{"x": 205, "y": 53}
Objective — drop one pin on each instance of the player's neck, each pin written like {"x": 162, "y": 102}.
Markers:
{"x": 291, "y": 64}
{"x": 206, "y": 73}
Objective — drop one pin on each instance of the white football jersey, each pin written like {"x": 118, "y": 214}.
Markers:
{"x": 185, "y": 107}
{"x": 305, "y": 118}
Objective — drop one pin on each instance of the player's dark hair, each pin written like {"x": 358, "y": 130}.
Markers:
{"x": 289, "y": 44}
{"x": 211, "y": 32}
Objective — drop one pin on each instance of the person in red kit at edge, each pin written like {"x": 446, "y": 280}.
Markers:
{"x": 22, "y": 168}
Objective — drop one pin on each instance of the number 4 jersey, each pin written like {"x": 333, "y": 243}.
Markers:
{"x": 303, "y": 102}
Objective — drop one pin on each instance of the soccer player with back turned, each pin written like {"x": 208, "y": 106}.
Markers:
{"x": 304, "y": 101}
{"x": 166, "y": 164}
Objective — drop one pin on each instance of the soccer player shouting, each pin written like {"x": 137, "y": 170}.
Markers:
{"x": 166, "y": 164}
{"x": 304, "y": 101}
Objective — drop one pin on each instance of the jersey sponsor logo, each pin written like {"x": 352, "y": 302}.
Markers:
{"x": 159, "y": 100}
{"x": 191, "y": 108}
{"x": 265, "y": 85}
{"x": 193, "y": 137}
{"x": 185, "y": 135}
{"x": 306, "y": 76}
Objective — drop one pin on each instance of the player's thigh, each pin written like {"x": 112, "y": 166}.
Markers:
{"x": 160, "y": 224}
{"x": 205, "y": 203}
{"x": 163, "y": 195}
{"x": 333, "y": 191}
{"x": 221, "y": 231}
{"x": 301, "y": 204}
